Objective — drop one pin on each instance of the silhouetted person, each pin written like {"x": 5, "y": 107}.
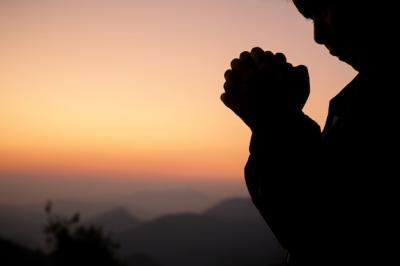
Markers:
{"x": 330, "y": 197}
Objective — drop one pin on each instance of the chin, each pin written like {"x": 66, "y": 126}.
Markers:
{"x": 352, "y": 61}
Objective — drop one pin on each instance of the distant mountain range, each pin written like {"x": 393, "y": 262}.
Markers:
{"x": 228, "y": 233}
{"x": 116, "y": 221}
{"x": 149, "y": 204}
{"x": 144, "y": 203}
{"x": 237, "y": 209}
{"x": 23, "y": 225}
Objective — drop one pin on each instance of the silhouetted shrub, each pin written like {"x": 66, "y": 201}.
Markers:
{"x": 138, "y": 259}
{"x": 73, "y": 243}
{"x": 12, "y": 254}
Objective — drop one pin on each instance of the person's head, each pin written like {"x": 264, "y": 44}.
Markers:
{"x": 352, "y": 30}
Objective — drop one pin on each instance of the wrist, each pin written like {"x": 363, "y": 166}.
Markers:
{"x": 277, "y": 122}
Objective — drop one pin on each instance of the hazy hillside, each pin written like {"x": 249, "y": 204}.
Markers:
{"x": 236, "y": 209}
{"x": 12, "y": 254}
{"x": 216, "y": 237}
{"x": 230, "y": 232}
{"x": 23, "y": 225}
{"x": 115, "y": 221}
{"x": 156, "y": 202}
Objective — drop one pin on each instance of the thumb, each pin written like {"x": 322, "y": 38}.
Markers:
{"x": 301, "y": 85}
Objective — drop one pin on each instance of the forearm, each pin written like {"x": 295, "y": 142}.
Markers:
{"x": 280, "y": 170}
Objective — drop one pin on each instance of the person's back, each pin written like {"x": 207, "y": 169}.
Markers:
{"x": 328, "y": 196}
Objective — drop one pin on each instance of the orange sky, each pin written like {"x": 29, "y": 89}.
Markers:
{"x": 131, "y": 88}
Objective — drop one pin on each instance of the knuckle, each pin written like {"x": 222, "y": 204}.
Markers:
{"x": 268, "y": 53}
{"x": 228, "y": 74}
{"x": 301, "y": 67}
{"x": 245, "y": 55}
{"x": 257, "y": 50}
{"x": 227, "y": 85}
{"x": 231, "y": 85}
{"x": 280, "y": 58}
{"x": 235, "y": 63}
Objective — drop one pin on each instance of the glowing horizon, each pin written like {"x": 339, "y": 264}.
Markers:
{"x": 131, "y": 88}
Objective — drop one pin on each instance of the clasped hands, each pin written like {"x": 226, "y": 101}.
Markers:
{"x": 261, "y": 86}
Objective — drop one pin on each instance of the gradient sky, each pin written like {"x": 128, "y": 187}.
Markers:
{"x": 130, "y": 89}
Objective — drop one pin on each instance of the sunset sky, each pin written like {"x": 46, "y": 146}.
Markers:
{"x": 129, "y": 89}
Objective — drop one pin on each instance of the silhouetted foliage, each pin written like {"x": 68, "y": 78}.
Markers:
{"x": 73, "y": 243}
{"x": 139, "y": 259}
{"x": 12, "y": 254}
{"x": 228, "y": 233}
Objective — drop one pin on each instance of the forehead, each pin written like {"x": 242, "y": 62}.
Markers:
{"x": 311, "y": 3}
{"x": 306, "y": 7}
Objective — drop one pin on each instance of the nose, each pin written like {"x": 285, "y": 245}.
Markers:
{"x": 321, "y": 32}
